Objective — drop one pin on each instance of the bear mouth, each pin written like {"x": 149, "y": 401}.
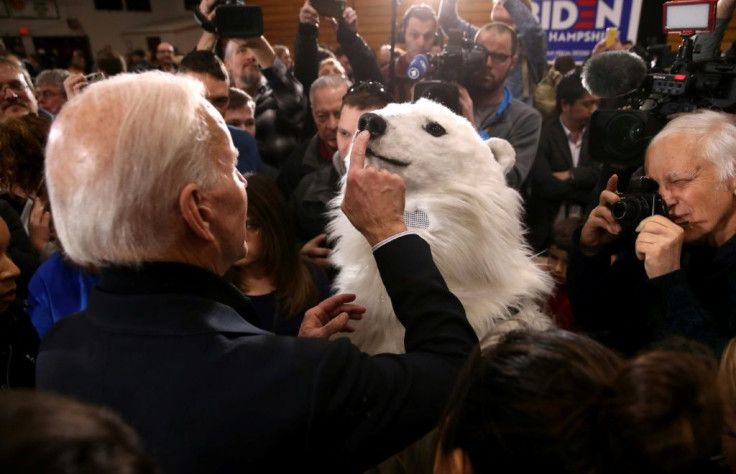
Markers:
{"x": 387, "y": 160}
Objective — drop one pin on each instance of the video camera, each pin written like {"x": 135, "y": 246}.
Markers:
{"x": 233, "y": 19}
{"x": 620, "y": 137}
{"x": 458, "y": 61}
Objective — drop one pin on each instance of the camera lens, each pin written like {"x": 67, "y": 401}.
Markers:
{"x": 630, "y": 210}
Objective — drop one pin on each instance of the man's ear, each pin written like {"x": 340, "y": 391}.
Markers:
{"x": 514, "y": 60}
{"x": 195, "y": 210}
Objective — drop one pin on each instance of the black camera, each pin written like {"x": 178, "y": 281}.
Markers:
{"x": 233, "y": 19}
{"x": 459, "y": 59}
{"x": 330, "y": 8}
{"x": 642, "y": 200}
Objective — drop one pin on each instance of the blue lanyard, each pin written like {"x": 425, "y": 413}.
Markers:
{"x": 485, "y": 133}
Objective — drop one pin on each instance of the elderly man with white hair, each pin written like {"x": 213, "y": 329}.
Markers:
{"x": 673, "y": 275}
{"x": 159, "y": 206}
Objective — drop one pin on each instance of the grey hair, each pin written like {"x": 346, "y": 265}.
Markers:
{"x": 713, "y": 133}
{"x": 54, "y": 77}
{"x": 332, "y": 82}
{"x": 117, "y": 159}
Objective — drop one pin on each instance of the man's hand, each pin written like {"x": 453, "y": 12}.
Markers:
{"x": 601, "y": 228}
{"x": 562, "y": 175}
{"x": 74, "y": 84}
{"x": 374, "y": 199}
{"x": 39, "y": 224}
{"x": 466, "y": 103}
{"x": 600, "y": 47}
{"x": 261, "y": 49}
{"x": 330, "y": 317}
{"x": 659, "y": 245}
{"x": 308, "y": 15}
{"x": 207, "y": 9}
{"x": 350, "y": 18}
{"x": 315, "y": 253}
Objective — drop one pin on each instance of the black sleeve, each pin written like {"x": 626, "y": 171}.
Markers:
{"x": 374, "y": 406}
{"x": 362, "y": 60}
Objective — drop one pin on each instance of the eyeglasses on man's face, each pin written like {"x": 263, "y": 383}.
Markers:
{"x": 17, "y": 87}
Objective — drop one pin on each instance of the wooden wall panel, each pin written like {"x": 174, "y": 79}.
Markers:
{"x": 281, "y": 17}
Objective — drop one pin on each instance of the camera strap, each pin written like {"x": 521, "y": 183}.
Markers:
{"x": 204, "y": 22}
{"x": 485, "y": 132}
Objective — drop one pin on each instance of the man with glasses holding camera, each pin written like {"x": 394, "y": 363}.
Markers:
{"x": 674, "y": 272}
{"x": 495, "y": 112}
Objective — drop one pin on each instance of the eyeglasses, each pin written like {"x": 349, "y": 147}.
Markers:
{"x": 47, "y": 94}
{"x": 370, "y": 87}
{"x": 498, "y": 58}
{"x": 16, "y": 87}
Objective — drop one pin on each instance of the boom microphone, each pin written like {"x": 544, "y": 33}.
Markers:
{"x": 614, "y": 73}
{"x": 418, "y": 67}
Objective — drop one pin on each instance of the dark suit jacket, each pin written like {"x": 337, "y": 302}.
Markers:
{"x": 168, "y": 347}
{"x": 545, "y": 193}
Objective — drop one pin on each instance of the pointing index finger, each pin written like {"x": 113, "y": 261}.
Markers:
{"x": 357, "y": 152}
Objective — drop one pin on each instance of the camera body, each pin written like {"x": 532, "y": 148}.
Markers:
{"x": 329, "y": 8}
{"x": 642, "y": 200}
{"x": 459, "y": 59}
{"x": 233, "y": 19}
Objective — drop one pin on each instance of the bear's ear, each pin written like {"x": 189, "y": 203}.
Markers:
{"x": 503, "y": 152}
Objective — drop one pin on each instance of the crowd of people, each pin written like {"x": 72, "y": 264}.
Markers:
{"x": 165, "y": 265}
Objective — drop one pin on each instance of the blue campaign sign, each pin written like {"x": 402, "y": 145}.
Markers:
{"x": 575, "y": 26}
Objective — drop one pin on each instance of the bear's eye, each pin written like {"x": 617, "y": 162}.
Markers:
{"x": 435, "y": 129}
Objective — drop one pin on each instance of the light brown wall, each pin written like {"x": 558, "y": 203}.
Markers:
{"x": 280, "y": 19}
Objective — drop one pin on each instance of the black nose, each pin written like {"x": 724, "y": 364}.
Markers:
{"x": 375, "y": 124}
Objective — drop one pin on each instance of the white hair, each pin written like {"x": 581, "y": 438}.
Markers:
{"x": 118, "y": 156}
{"x": 713, "y": 134}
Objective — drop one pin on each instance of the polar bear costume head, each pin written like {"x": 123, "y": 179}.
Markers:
{"x": 458, "y": 201}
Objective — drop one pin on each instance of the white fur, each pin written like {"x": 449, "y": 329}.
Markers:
{"x": 474, "y": 230}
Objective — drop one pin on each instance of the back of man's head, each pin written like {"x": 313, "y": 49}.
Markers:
{"x": 44, "y": 432}
{"x": 204, "y": 62}
{"x": 110, "y": 63}
{"x": 239, "y": 99}
{"x": 117, "y": 159}
{"x": 367, "y": 95}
